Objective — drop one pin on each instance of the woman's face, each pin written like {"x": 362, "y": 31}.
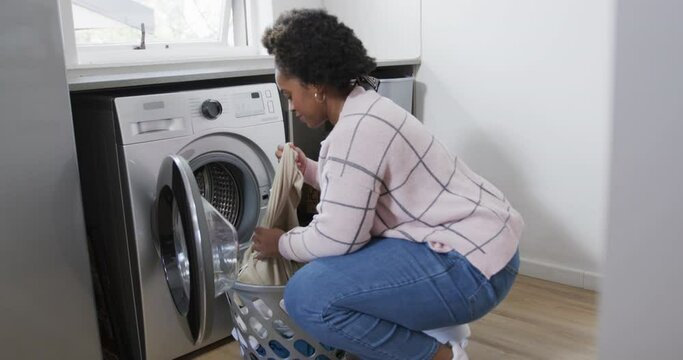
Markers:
{"x": 302, "y": 99}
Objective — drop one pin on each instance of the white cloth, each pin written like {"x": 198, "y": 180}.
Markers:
{"x": 281, "y": 213}
{"x": 457, "y": 333}
{"x": 456, "y": 336}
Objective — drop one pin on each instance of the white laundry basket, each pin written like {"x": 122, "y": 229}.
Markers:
{"x": 265, "y": 331}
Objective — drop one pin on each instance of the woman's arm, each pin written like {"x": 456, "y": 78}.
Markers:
{"x": 345, "y": 216}
{"x": 311, "y": 173}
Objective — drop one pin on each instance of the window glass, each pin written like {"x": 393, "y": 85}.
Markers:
{"x": 118, "y": 22}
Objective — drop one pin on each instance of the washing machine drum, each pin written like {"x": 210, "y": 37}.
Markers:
{"x": 229, "y": 184}
{"x": 219, "y": 186}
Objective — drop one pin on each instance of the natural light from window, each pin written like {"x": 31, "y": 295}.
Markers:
{"x": 116, "y": 33}
{"x": 118, "y": 22}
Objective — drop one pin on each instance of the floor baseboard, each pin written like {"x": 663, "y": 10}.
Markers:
{"x": 560, "y": 274}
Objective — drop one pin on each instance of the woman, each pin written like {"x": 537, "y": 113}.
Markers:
{"x": 407, "y": 238}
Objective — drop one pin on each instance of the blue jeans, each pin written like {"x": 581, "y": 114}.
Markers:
{"x": 375, "y": 302}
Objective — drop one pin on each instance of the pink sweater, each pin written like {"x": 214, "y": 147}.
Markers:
{"x": 382, "y": 174}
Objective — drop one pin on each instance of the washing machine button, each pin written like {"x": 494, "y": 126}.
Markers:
{"x": 211, "y": 109}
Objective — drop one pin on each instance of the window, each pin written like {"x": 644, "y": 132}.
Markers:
{"x": 144, "y": 31}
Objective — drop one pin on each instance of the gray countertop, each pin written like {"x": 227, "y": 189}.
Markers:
{"x": 91, "y": 78}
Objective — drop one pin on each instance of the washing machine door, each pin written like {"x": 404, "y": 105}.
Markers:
{"x": 197, "y": 245}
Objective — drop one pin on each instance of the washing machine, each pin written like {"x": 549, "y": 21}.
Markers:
{"x": 152, "y": 166}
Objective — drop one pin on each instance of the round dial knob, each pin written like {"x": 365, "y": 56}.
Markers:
{"x": 211, "y": 109}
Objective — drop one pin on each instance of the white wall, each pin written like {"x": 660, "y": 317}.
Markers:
{"x": 521, "y": 90}
{"x": 389, "y": 29}
{"x": 279, "y": 6}
{"x": 640, "y": 316}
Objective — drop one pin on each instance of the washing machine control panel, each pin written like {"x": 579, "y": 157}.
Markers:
{"x": 242, "y": 106}
{"x": 164, "y": 116}
{"x": 248, "y": 104}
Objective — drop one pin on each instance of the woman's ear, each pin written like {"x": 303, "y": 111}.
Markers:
{"x": 320, "y": 89}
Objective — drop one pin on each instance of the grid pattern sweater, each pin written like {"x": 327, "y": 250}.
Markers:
{"x": 382, "y": 174}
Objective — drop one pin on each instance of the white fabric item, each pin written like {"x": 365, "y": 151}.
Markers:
{"x": 456, "y": 336}
{"x": 457, "y": 333}
{"x": 458, "y": 352}
{"x": 281, "y": 213}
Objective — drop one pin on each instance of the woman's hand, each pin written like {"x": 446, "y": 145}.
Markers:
{"x": 300, "y": 156}
{"x": 266, "y": 241}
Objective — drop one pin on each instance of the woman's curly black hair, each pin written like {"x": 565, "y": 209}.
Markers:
{"x": 318, "y": 49}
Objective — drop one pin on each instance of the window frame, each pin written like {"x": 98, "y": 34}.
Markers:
{"x": 257, "y": 14}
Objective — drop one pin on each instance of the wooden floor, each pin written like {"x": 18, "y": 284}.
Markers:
{"x": 538, "y": 320}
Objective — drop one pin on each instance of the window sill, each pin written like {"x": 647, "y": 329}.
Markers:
{"x": 92, "y": 77}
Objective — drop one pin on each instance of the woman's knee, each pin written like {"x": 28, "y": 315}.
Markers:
{"x": 305, "y": 295}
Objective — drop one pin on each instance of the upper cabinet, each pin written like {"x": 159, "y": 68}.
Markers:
{"x": 389, "y": 29}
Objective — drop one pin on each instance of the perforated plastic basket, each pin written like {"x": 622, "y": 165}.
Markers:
{"x": 265, "y": 331}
